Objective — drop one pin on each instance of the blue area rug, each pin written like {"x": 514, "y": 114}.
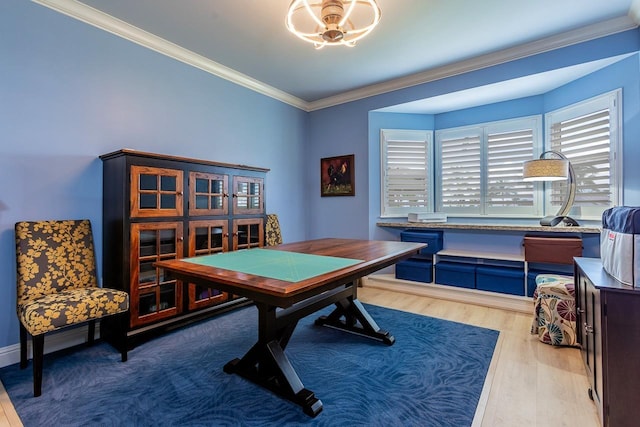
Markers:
{"x": 432, "y": 376}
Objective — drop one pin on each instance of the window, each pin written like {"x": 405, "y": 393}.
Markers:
{"x": 587, "y": 133}
{"x": 459, "y": 178}
{"x": 406, "y": 165}
{"x": 480, "y": 168}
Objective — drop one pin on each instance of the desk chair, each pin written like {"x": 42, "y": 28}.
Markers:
{"x": 57, "y": 286}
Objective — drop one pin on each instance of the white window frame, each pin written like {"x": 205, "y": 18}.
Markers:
{"x": 467, "y": 135}
{"x": 423, "y": 138}
{"x": 612, "y": 101}
{"x": 482, "y": 131}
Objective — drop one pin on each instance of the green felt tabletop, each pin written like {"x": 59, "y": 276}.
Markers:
{"x": 274, "y": 264}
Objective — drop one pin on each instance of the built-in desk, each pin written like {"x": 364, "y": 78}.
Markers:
{"x": 487, "y": 245}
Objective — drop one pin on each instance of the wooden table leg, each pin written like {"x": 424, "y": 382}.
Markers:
{"x": 267, "y": 365}
{"x": 350, "y": 316}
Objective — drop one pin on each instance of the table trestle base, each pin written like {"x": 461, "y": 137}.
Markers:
{"x": 267, "y": 365}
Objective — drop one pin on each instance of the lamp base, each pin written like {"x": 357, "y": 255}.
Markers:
{"x": 552, "y": 221}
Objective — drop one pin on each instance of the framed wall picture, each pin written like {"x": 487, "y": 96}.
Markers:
{"x": 337, "y": 176}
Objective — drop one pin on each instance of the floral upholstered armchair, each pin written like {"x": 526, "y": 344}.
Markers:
{"x": 57, "y": 286}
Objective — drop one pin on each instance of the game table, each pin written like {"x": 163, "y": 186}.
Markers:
{"x": 288, "y": 282}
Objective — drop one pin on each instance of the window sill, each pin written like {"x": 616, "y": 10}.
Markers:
{"x": 494, "y": 227}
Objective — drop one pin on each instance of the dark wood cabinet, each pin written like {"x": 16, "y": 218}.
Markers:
{"x": 158, "y": 207}
{"x": 608, "y": 332}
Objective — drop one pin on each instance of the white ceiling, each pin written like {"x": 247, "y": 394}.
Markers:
{"x": 247, "y": 41}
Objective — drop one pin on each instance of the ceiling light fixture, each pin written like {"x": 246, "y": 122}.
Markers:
{"x": 332, "y": 22}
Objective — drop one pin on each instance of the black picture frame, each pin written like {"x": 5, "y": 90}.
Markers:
{"x": 337, "y": 176}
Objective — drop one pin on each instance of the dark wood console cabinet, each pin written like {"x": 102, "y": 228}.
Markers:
{"x": 158, "y": 207}
{"x": 608, "y": 320}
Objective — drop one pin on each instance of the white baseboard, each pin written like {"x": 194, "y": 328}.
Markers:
{"x": 52, "y": 342}
{"x": 452, "y": 293}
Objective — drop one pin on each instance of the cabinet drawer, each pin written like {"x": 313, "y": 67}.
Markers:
{"x": 418, "y": 270}
{"x": 500, "y": 279}
{"x": 433, "y": 239}
{"x": 552, "y": 250}
{"x": 456, "y": 274}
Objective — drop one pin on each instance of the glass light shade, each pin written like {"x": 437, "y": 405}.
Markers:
{"x": 545, "y": 170}
{"x": 332, "y": 22}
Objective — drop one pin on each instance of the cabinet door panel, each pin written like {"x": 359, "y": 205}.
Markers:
{"x": 622, "y": 341}
{"x": 155, "y": 192}
{"x": 153, "y": 294}
{"x": 593, "y": 336}
{"x": 208, "y": 194}
{"x": 248, "y": 233}
{"x": 248, "y": 195}
{"x": 205, "y": 238}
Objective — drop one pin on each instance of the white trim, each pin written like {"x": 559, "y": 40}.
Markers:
{"x": 452, "y": 293}
{"x": 590, "y": 32}
{"x": 52, "y": 342}
{"x": 101, "y": 20}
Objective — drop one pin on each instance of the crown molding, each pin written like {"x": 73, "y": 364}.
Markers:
{"x": 569, "y": 38}
{"x": 91, "y": 16}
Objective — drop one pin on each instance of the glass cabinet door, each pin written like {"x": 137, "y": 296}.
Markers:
{"x": 208, "y": 193}
{"x": 248, "y": 197}
{"x": 156, "y": 192}
{"x": 153, "y": 295}
{"x": 248, "y": 233}
{"x": 206, "y": 238}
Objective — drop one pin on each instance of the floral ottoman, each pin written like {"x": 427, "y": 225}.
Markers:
{"x": 555, "y": 310}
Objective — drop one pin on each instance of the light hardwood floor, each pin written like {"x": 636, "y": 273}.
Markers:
{"x": 529, "y": 383}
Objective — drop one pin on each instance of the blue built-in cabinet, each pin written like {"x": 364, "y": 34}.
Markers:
{"x": 458, "y": 274}
{"x": 506, "y": 280}
{"x": 537, "y": 252}
{"x": 419, "y": 268}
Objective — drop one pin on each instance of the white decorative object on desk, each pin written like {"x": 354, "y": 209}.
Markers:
{"x": 426, "y": 217}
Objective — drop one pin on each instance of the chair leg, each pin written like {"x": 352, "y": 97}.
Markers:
{"x": 23, "y": 346}
{"x": 38, "y": 355}
{"x": 124, "y": 321}
{"x": 92, "y": 332}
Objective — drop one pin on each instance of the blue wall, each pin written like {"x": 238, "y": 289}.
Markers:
{"x": 521, "y": 107}
{"x": 626, "y": 75}
{"x": 71, "y": 92}
{"x": 354, "y": 129}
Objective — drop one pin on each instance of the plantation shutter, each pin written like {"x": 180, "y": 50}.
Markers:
{"x": 480, "y": 168}
{"x": 406, "y": 178}
{"x": 585, "y": 141}
{"x": 460, "y": 173}
{"x": 506, "y": 154}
